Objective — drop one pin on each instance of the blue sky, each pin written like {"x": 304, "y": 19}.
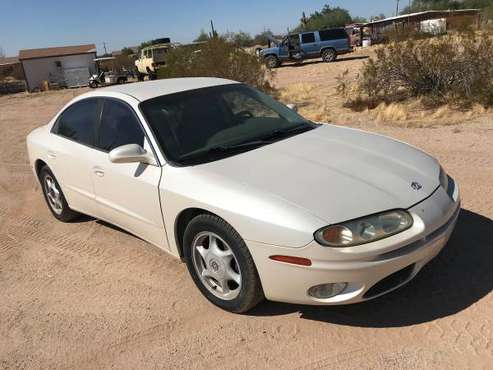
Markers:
{"x": 42, "y": 23}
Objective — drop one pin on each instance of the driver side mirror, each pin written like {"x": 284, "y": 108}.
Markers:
{"x": 131, "y": 153}
{"x": 292, "y": 107}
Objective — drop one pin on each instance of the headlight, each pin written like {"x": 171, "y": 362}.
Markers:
{"x": 365, "y": 230}
{"x": 444, "y": 180}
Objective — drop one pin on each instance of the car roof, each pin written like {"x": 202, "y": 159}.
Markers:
{"x": 151, "y": 89}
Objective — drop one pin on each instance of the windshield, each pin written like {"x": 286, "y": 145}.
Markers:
{"x": 207, "y": 124}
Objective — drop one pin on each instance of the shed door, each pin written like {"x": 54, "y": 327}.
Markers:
{"x": 76, "y": 77}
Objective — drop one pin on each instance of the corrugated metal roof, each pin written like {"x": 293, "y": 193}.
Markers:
{"x": 56, "y": 51}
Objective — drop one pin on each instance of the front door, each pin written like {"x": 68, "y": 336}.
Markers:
{"x": 127, "y": 193}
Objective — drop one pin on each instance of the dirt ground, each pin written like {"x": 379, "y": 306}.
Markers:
{"x": 86, "y": 295}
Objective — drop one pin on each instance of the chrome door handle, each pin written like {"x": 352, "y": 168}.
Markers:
{"x": 98, "y": 171}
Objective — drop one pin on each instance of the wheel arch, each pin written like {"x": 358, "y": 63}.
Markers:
{"x": 182, "y": 221}
{"x": 38, "y": 165}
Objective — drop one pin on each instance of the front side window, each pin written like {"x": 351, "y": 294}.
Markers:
{"x": 78, "y": 122}
{"x": 308, "y": 38}
{"x": 207, "y": 124}
{"x": 119, "y": 126}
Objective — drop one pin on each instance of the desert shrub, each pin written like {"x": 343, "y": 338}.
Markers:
{"x": 217, "y": 58}
{"x": 455, "y": 70}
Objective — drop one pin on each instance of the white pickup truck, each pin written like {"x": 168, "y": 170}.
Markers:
{"x": 151, "y": 58}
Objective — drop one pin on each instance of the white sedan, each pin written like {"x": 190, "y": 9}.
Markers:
{"x": 258, "y": 201}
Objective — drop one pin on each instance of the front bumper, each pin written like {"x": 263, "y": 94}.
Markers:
{"x": 369, "y": 270}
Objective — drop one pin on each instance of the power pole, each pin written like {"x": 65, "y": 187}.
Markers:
{"x": 397, "y": 9}
{"x": 105, "y": 51}
{"x": 213, "y": 31}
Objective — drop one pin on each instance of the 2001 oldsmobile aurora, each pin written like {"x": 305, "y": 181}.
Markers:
{"x": 257, "y": 201}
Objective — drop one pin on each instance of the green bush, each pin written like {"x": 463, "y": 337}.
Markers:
{"x": 457, "y": 70}
{"x": 216, "y": 58}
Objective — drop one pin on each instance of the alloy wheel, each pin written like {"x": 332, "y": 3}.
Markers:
{"x": 216, "y": 265}
{"x": 53, "y": 194}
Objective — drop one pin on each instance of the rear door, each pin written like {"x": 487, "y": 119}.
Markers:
{"x": 310, "y": 44}
{"x": 127, "y": 193}
{"x": 72, "y": 151}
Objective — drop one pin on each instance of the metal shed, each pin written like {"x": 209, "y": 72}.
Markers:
{"x": 67, "y": 66}
{"x": 452, "y": 19}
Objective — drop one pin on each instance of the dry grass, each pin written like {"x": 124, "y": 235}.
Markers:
{"x": 323, "y": 105}
{"x": 310, "y": 103}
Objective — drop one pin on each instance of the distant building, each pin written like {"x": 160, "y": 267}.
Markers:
{"x": 446, "y": 19}
{"x": 68, "y": 66}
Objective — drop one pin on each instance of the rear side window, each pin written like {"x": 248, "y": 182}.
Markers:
{"x": 334, "y": 34}
{"x": 119, "y": 126}
{"x": 79, "y": 121}
{"x": 308, "y": 38}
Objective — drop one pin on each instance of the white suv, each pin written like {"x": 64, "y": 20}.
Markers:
{"x": 150, "y": 60}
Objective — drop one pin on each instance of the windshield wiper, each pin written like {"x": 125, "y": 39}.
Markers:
{"x": 222, "y": 150}
{"x": 283, "y": 133}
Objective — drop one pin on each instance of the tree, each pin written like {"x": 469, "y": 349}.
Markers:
{"x": 240, "y": 38}
{"x": 263, "y": 38}
{"x": 377, "y": 17}
{"x": 127, "y": 51}
{"x": 326, "y": 18}
{"x": 360, "y": 20}
{"x": 203, "y": 36}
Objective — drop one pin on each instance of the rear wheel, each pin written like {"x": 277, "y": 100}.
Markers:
{"x": 272, "y": 61}
{"x": 329, "y": 55}
{"x": 221, "y": 265}
{"x": 54, "y": 197}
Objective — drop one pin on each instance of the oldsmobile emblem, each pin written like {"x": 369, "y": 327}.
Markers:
{"x": 416, "y": 185}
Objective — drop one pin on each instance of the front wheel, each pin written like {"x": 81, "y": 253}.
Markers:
{"x": 93, "y": 84}
{"x": 272, "y": 61}
{"x": 329, "y": 55}
{"x": 221, "y": 265}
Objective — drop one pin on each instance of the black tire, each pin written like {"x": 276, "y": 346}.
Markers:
{"x": 93, "y": 84}
{"x": 121, "y": 80}
{"x": 271, "y": 61}
{"x": 66, "y": 214}
{"x": 329, "y": 55}
{"x": 250, "y": 293}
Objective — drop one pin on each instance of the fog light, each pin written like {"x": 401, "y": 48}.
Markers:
{"x": 324, "y": 291}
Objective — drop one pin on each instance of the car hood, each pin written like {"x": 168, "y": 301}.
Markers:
{"x": 336, "y": 173}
